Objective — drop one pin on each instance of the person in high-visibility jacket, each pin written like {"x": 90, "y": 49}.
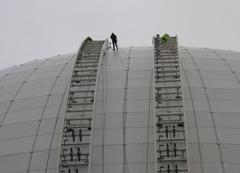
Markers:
{"x": 165, "y": 38}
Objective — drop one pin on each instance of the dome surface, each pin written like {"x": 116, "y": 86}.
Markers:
{"x": 33, "y": 98}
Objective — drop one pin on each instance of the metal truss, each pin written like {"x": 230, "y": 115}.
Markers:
{"x": 75, "y": 146}
{"x": 171, "y": 151}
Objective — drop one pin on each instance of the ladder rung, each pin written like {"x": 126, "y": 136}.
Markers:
{"x": 65, "y": 136}
{"x": 73, "y": 164}
{"x": 167, "y": 80}
{"x": 182, "y": 150}
{"x": 163, "y": 131}
{"x": 86, "y": 110}
{"x": 169, "y": 140}
{"x": 76, "y": 144}
{"x": 80, "y": 126}
{"x": 168, "y": 75}
{"x": 168, "y": 99}
{"x": 83, "y": 75}
{"x": 87, "y": 56}
{"x": 79, "y": 118}
{"x": 79, "y": 104}
{"x": 173, "y": 171}
{"x": 168, "y": 106}
{"x": 166, "y": 66}
{"x": 82, "y": 97}
{"x": 87, "y": 70}
{"x": 85, "y": 63}
{"x": 170, "y": 122}
{"x": 166, "y": 61}
{"x": 172, "y": 160}
{"x": 168, "y": 49}
{"x": 168, "y": 93}
{"x": 82, "y": 154}
{"x": 169, "y": 114}
{"x": 167, "y": 54}
{"x": 90, "y": 91}
{"x": 91, "y": 53}
{"x": 81, "y": 79}
{"x": 96, "y": 61}
{"x": 80, "y": 85}
{"x": 172, "y": 57}
{"x": 167, "y": 71}
{"x": 88, "y": 60}
{"x": 85, "y": 66}
{"x": 167, "y": 87}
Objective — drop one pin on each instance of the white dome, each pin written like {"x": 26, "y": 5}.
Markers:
{"x": 33, "y": 103}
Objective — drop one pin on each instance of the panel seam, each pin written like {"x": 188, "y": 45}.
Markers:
{"x": 195, "y": 119}
{"x": 210, "y": 111}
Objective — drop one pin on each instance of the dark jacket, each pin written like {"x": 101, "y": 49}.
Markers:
{"x": 113, "y": 37}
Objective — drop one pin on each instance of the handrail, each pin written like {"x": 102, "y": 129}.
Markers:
{"x": 72, "y": 107}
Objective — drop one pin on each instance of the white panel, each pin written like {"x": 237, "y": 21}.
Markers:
{"x": 214, "y": 83}
{"x": 47, "y": 126}
{"x": 113, "y": 154}
{"x": 139, "y": 93}
{"x": 227, "y": 120}
{"x": 111, "y": 121}
{"x": 225, "y": 106}
{"x": 14, "y": 163}
{"x": 140, "y": 73}
{"x": 96, "y": 155}
{"x": 207, "y": 135}
{"x": 140, "y": 83}
{"x": 232, "y": 168}
{"x": 200, "y": 105}
{"x": 212, "y": 167}
{"x": 137, "y": 153}
{"x": 224, "y": 94}
{"x": 97, "y": 137}
{"x": 230, "y": 153}
{"x": 113, "y": 136}
{"x": 194, "y": 167}
{"x": 52, "y": 112}
{"x": 141, "y": 168}
{"x": 33, "y": 92}
{"x": 138, "y": 135}
{"x": 53, "y": 159}
{"x": 210, "y": 153}
{"x": 116, "y": 168}
{"x": 139, "y": 119}
{"x": 24, "y": 115}
{"x": 138, "y": 105}
{"x": 229, "y": 135}
{"x": 43, "y": 142}
{"x": 39, "y": 160}
{"x": 193, "y": 151}
{"x": 28, "y": 103}
{"x": 192, "y": 135}
{"x": 204, "y": 119}
{"x": 14, "y": 146}
{"x": 18, "y": 130}
{"x": 4, "y": 97}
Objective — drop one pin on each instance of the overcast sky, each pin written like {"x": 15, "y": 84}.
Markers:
{"x": 34, "y": 29}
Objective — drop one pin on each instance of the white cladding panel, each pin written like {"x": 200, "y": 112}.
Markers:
{"x": 32, "y": 107}
{"x": 124, "y": 113}
{"x": 211, "y": 83}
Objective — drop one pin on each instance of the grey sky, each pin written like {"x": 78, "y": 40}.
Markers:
{"x": 33, "y": 29}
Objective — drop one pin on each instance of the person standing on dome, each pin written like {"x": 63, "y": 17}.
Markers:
{"x": 114, "y": 41}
